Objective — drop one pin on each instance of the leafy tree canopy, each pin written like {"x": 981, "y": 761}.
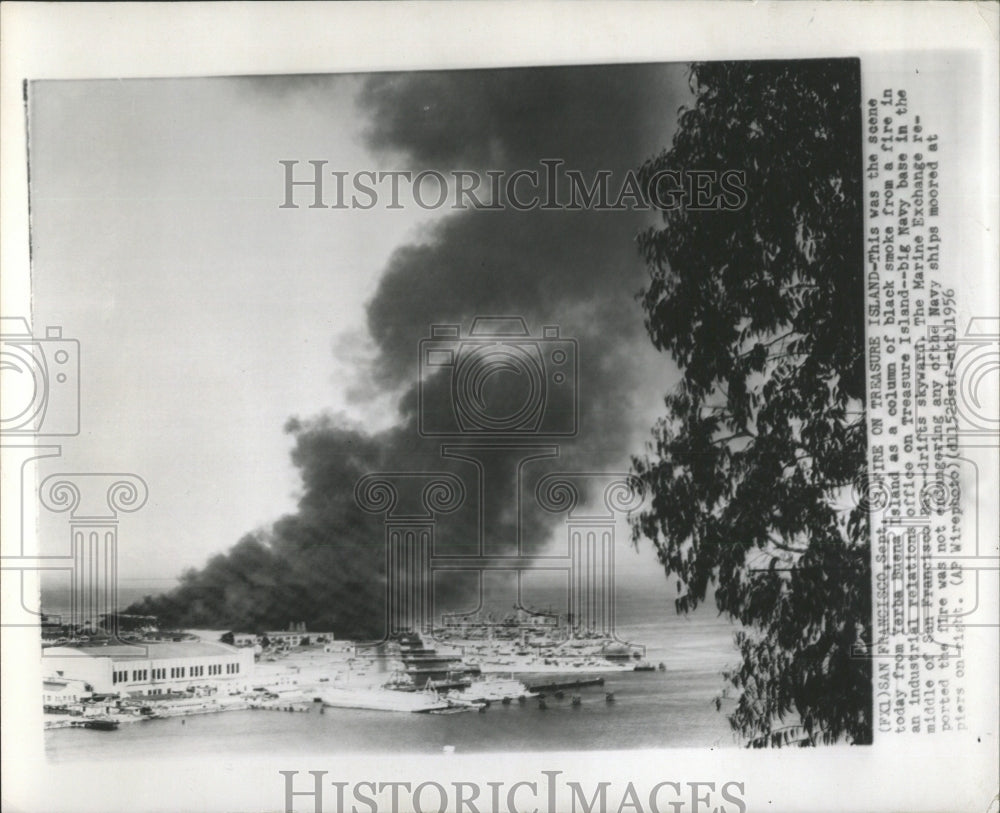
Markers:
{"x": 751, "y": 466}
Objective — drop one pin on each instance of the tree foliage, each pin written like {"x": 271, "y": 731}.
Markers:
{"x": 751, "y": 467}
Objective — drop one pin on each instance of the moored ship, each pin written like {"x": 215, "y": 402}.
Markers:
{"x": 382, "y": 699}
{"x": 494, "y": 688}
{"x": 528, "y": 641}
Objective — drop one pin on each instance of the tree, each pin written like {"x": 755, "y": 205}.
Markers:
{"x": 752, "y": 465}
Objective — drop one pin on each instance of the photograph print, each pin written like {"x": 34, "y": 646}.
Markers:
{"x": 467, "y": 411}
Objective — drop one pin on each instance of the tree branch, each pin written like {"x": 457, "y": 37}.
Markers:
{"x": 785, "y": 547}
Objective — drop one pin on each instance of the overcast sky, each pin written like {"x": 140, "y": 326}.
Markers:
{"x": 208, "y": 315}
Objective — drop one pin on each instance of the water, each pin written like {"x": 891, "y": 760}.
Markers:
{"x": 651, "y": 710}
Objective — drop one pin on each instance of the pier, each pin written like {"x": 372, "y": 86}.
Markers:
{"x": 556, "y": 685}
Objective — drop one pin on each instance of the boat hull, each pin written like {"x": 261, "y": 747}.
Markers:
{"x": 383, "y": 700}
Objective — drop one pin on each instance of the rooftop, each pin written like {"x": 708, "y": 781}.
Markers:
{"x": 151, "y": 651}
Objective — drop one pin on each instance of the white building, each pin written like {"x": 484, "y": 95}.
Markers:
{"x": 285, "y": 638}
{"x": 153, "y": 667}
{"x": 291, "y": 638}
{"x": 63, "y": 691}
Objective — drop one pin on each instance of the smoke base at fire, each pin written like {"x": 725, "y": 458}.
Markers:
{"x": 325, "y": 564}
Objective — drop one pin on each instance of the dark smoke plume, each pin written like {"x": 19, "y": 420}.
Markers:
{"x": 579, "y": 270}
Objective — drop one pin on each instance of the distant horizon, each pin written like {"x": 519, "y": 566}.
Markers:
{"x": 56, "y": 602}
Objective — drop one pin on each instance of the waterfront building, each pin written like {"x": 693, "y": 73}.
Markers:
{"x": 296, "y": 635}
{"x": 154, "y": 668}
{"x": 62, "y": 691}
{"x": 285, "y": 638}
{"x": 53, "y": 629}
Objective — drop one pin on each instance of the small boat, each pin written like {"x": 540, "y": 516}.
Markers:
{"x": 494, "y": 688}
{"x": 560, "y": 695}
{"x": 643, "y": 666}
{"x": 576, "y": 701}
{"x": 100, "y": 724}
{"x": 451, "y": 710}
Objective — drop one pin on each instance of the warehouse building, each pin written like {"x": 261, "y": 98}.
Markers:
{"x": 152, "y": 668}
{"x": 58, "y": 692}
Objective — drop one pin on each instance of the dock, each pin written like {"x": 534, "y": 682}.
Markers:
{"x": 556, "y": 685}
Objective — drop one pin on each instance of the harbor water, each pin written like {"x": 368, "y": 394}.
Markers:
{"x": 672, "y": 708}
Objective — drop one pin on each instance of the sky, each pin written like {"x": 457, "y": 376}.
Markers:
{"x": 208, "y": 315}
